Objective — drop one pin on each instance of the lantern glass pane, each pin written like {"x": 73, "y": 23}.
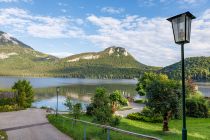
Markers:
{"x": 188, "y": 28}
{"x": 179, "y": 28}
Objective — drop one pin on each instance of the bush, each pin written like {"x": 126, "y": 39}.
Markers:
{"x": 7, "y": 101}
{"x": 25, "y": 93}
{"x": 139, "y": 117}
{"x": 140, "y": 101}
{"x": 3, "y": 135}
{"x": 147, "y": 115}
{"x": 8, "y": 108}
{"x": 115, "y": 120}
{"x": 197, "y": 107}
{"x": 89, "y": 109}
{"x": 77, "y": 110}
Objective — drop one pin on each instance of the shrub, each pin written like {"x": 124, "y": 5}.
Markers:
{"x": 43, "y": 107}
{"x": 102, "y": 109}
{"x": 68, "y": 104}
{"x": 139, "y": 117}
{"x": 197, "y": 107}
{"x": 89, "y": 109}
{"x": 8, "y": 108}
{"x": 7, "y": 101}
{"x": 25, "y": 93}
{"x": 115, "y": 120}
{"x": 77, "y": 110}
{"x": 140, "y": 101}
{"x": 3, "y": 135}
{"x": 147, "y": 115}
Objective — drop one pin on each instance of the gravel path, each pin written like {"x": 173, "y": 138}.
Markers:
{"x": 30, "y": 124}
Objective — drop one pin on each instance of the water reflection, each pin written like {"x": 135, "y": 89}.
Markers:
{"x": 78, "y": 93}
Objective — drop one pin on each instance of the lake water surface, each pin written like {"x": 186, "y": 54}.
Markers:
{"x": 80, "y": 90}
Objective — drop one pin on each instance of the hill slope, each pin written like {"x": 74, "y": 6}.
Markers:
{"x": 19, "y": 59}
{"x": 198, "y": 68}
{"x": 113, "y": 62}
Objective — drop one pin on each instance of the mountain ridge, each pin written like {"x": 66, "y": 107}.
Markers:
{"x": 19, "y": 59}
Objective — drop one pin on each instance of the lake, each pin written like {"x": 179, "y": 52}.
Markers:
{"x": 80, "y": 90}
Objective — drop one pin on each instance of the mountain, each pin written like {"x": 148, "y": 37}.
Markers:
{"x": 113, "y": 62}
{"x": 116, "y": 57}
{"x": 19, "y": 59}
{"x": 7, "y": 40}
{"x": 198, "y": 68}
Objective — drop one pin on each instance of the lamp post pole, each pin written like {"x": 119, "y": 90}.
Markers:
{"x": 57, "y": 90}
{"x": 184, "y": 129}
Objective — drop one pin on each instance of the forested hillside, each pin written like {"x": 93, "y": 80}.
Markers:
{"x": 19, "y": 59}
{"x": 197, "y": 68}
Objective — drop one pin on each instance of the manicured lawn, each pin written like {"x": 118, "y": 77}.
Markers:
{"x": 198, "y": 129}
{"x": 3, "y": 135}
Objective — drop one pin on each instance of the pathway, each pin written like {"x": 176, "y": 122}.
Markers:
{"x": 30, "y": 124}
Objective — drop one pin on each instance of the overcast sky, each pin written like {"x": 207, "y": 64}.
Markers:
{"x": 66, "y": 27}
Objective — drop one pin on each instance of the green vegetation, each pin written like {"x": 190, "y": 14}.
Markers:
{"x": 8, "y": 108}
{"x": 3, "y": 135}
{"x": 147, "y": 115}
{"x": 140, "y": 101}
{"x": 198, "y": 129}
{"x": 77, "y": 110}
{"x": 25, "y": 93}
{"x": 117, "y": 100}
{"x": 197, "y": 106}
{"x": 22, "y": 97}
{"x": 163, "y": 95}
{"x": 114, "y": 62}
{"x": 102, "y": 108}
{"x": 197, "y": 68}
{"x": 164, "y": 99}
{"x": 68, "y": 104}
{"x": 104, "y": 105}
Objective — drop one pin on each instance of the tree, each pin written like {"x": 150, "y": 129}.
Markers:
{"x": 163, "y": 95}
{"x": 190, "y": 87}
{"x": 68, "y": 104}
{"x": 102, "y": 112}
{"x": 117, "y": 100}
{"x": 77, "y": 110}
{"x": 143, "y": 82}
{"x": 25, "y": 93}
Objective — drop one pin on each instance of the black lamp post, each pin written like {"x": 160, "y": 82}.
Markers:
{"x": 57, "y": 91}
{"x": 181, "y": 25}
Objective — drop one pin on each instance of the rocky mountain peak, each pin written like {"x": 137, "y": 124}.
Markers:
{"x": 6, "y": 39}
{"x": 117, "y": 51}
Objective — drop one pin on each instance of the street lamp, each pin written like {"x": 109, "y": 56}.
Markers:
{"x": 57, "y": 91}
{"x": 181, "y": 25}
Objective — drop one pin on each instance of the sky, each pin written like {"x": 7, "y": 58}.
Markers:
{"x": 67, "y": 27}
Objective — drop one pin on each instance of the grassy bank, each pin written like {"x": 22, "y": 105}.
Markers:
{"x": 3, "y": 135}
{"x": 198, "y": 129}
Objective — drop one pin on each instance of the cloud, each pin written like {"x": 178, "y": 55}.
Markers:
{"x": 182, "y": 3}
{"x": 63, "y": 10}
{"x": 62, "y": 4}
{"x": 8, "y": 1}
{"x": 150, "y": 40}
{"x": 147, "y": 2}
{"x": 40, "y": 26}
{"x": 192, "y": 1}
{"x": 112, "y": 10}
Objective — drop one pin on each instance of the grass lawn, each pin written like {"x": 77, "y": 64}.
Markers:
{"x": 198, "y": 129}
{"x": 3, "y": 135}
